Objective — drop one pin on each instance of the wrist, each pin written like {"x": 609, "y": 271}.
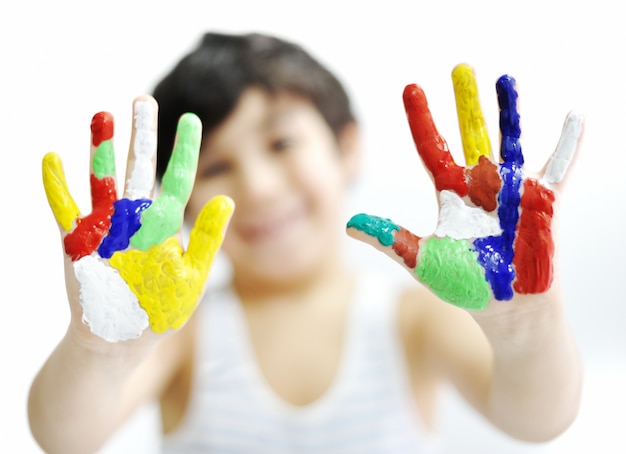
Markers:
{"x": 526, "y": 322}
{"x": 87, "y": 345}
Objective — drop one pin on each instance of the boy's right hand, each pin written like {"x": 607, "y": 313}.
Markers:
{"x": 124, "y": 266}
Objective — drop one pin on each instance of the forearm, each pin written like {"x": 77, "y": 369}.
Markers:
{"x": 535, "y": 386}
{"x": 79, "y": 397}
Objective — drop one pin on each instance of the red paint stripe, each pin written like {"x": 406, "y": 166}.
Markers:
{"x": 534, "y": 246}
{"x": 430, "y": 145}
{"x": 406, "y": 246}
{"x": 91, "y": 229}
{"x": 102, "y": 126}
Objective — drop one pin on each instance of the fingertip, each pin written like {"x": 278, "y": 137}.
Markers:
{"x": 374, "y": 226}
{"x": 50, "y": 158}
{"x": 145, "y": 98}
{"x": 462, "y": 71}
{"x": 217, "y": 211}
{"x": 190, "y": 119}
{"x": 414, "y": 97}
{"x": 102, "y": 128}
{"x": 576, "y": 119}
{"x": 145, "y": 110}
{"x": 224, "y": 204}
{"x": 189, "y": 129}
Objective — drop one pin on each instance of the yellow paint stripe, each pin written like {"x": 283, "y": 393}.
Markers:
{"x": 60, "y": 200}
{"x": 474, "y": 134}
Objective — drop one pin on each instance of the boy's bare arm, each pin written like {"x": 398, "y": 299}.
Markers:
{"x": 84, "y": 392}
{"x": 509, "y": 349}
{"x": 129, "y": 283}
{"x": 522, "y": 373}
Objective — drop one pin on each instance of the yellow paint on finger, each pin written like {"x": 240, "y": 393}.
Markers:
{"x": 208, "y": 232}
{"x": 168, "y": 283}
{"x": 63, "y": 206}
{"x": 474, "y": 134}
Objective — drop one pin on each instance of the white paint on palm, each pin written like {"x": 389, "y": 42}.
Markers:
{"x": 459, "y": 221}
{"x": 110, "y": 308}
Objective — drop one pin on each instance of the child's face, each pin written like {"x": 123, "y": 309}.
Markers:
{"x": 287, "y": 172}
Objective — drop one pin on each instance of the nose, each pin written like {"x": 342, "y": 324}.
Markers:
{"x": 260, "y": 181}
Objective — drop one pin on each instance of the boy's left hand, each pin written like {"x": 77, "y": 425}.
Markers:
{"x": 494, "y": 238}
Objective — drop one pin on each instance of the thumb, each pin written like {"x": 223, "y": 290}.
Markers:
{"x": 386, "y": 236}
{"x": 207, "y": 234}
{"x": 448, "y": 267}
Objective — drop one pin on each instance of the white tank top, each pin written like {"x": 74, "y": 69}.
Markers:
{"x": 369, "y": 407}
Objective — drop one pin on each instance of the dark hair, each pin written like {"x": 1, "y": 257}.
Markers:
{"x": 210, "y": 79}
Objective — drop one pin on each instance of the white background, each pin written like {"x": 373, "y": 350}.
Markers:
{"x": 60, "y": 62}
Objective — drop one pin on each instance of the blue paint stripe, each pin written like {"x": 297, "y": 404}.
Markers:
{"x": 510, "y": 148}
{"x": 495, "y": 253}
{"x": 125, "y": 221}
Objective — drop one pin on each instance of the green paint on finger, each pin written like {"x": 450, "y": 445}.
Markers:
{"x": 449, "y": 267}
{"x": 180, "y": 174}
{"x": 103, "y": 162}
{"x": 165, "y": 216}
{"x": 374, "y": 226}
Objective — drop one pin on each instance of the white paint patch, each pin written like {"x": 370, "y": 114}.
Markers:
{"x": 564, "y": 153}
{"x": 459, "y": 221}
{"x": 110, "y": 309}
{"x": 141, "y": 181}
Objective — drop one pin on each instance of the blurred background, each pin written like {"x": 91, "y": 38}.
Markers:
{"x": 63, "y": 61}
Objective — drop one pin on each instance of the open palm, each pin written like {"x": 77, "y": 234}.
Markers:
{"x": 125, "y": 255}
{"x": 494, "y": 236}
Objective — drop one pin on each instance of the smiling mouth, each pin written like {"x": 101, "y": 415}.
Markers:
{"x": 270, "y": 227}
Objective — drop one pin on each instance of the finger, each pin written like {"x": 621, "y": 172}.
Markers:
{"x": 386, "y": 236}
{"x": 91, "y": 229}
{"x": 140, "y": 171}
{"x": 510, "y": 147}
{"x": 207, "y": 234}
{"x": 164, "y": 217}
{"x": 472, "y": 125}
{"x": 447, "y": 266}
{"x": 140, "y": 167}
{"x": 430, "y": 145}
{"x": 103, "y": 192}
{"x": 560, "y": 162}
{"x": 64, "y": 208}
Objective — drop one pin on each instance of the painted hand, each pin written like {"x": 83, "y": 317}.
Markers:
{"x": 494, "y": 232}
{"x": 127, "y": 260}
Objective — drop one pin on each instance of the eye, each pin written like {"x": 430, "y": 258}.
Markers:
{"x": 281, "y": 144}
{"x": 214, "y": 169}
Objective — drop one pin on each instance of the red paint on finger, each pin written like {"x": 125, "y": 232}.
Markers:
{"x": 484, "y": 183}
{"x": 102, "y": 126}
{"x": 103, "y": 192}
{"x": 406, "y": 246}
{"x": 91, "y": 229}
{"x": 534, "y": 245}
{"x": 430, "y": 145}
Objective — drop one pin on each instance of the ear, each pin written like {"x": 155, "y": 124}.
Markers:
{"x": 349, "y": 144}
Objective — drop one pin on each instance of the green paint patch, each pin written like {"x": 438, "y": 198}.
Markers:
{"x": 165, "y": 216}
{"x": 449, "y": 267}
{"x": 374, "y": 226}
{"x": 103, "y": 162}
